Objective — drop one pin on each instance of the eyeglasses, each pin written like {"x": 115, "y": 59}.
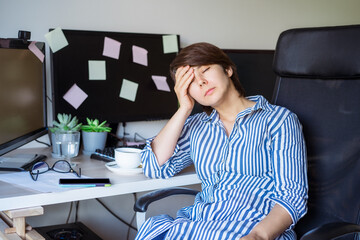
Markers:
{"x": 61, "y": 166}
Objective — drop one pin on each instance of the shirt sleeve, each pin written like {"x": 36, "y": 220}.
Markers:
{"x": 178, "y": 161}
{"x": 290, "y": 168}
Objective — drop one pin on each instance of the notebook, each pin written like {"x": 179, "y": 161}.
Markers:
{"x": 20, "y": 162}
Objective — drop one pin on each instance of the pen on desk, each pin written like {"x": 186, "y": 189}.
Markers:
{"x": 85, "y": 185}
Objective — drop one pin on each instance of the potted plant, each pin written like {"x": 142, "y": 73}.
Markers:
{"x": 94, "y": 135}
{"x": 64, "y": 123}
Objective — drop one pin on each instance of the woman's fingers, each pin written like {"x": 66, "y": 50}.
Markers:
{"x": 183, "y": 78}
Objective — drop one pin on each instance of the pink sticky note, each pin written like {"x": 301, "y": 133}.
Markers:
{"x": 75, "y": 96}
{"x": 160, "y": 82}
{"x": 32, "y": 47}
{"x": 140, "y": 55}
{"x": 111, "y": 48}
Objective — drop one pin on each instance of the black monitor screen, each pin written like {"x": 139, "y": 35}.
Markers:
{"x": 113, "y": 76}
{"x": 22, "y": 95}
{"x": 255, "y": 72}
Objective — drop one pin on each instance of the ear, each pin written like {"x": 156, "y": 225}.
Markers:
{"x": 229, "y": 71}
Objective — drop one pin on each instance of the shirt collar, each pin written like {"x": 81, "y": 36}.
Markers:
{"x": 261, "y": 103}
{"x": 212, "y": 118}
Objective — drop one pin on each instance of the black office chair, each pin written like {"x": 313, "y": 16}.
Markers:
{"x": 318, "y": 73}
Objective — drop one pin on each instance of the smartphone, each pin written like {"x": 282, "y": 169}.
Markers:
{"x": 84, "y": 182}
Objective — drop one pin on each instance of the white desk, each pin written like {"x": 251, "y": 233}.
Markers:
{"x": 14, "y": 197}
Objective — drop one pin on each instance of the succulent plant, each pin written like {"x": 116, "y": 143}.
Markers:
{"x": 65, "y": 123}
{"x": 94, "y": 126}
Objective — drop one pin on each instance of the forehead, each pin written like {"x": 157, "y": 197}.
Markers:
{"x": 207, "y": 65}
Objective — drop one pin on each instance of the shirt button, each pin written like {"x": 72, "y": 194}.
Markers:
{"x": 215, "y": 185}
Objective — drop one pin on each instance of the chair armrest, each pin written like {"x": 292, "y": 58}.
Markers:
{"x": 144, "y": 201}
{"x": 331, "y": 230}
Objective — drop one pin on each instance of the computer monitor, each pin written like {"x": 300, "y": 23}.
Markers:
{"x": 82, "y": 68}
{"x": 254, "y": 68}
{"x": 23, "y": 115}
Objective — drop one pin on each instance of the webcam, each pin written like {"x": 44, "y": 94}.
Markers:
{"x": 24, "y": 35}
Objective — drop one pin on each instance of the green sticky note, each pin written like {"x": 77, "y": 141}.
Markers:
{"x": 97, "y": 70}
{"x": 170, "y": 43}
{"x": 56, "y": 39}
{"x": 128, "y": 90}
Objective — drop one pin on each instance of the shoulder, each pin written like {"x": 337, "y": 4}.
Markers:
{"x": 274, "y": 115}
{"x": 196, "y": 119}
{"x": 285, "y": 119}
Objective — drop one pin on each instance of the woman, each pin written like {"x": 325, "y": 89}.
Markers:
{"x": 249, "y": 155}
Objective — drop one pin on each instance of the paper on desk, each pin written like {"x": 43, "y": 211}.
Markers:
{"x": 46, "y": 182}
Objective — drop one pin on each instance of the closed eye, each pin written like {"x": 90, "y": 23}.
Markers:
{"x": 207, "y": 68}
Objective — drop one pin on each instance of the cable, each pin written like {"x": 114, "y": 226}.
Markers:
{"x": 70, "y": 210}
{"x": 124, "y": 134}
{"x": 132, "y": 219}
{"x": 50, "y": 100}
{"x": 76, "y": 210}
{"x": 112, "y": 213}
{"x": 43, "y": 143}
{"x": 138, "y": 135}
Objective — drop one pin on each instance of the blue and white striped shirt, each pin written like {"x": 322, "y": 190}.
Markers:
{"x": 243, "y": 175}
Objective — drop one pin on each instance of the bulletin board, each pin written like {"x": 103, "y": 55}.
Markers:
{"x": 112, "y": 76}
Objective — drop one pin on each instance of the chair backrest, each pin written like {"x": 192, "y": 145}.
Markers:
{"x": 318, "y": 78}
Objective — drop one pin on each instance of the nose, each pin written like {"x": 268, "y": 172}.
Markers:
{"x": 199, "y": 79}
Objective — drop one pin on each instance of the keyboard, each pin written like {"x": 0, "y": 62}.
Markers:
{"x": 108, "y": 154}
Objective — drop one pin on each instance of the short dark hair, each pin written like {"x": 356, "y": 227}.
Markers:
{"x": 203, "y": 53}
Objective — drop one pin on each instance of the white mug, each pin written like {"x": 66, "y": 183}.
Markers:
{"x": 128, "y": 158}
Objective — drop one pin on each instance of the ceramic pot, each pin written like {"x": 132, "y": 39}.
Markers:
{"x": 92, "y": 141}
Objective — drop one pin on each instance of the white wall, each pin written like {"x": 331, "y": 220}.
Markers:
{"x": 241, "y": 24}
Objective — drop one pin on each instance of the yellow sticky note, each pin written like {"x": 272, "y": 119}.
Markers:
{"x": 97, "y": 70}
{"x": 128, "y": 90}
{"x": 56, "y": 39}
{"x": 170, "y": 43}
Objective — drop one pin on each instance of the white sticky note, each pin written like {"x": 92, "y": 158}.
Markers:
{"x": 160, "y": 82}
{"x": 128, "y": 90}
{"x": 97, "y": 70}
{"x": 111, "y": 48}
{"x": 170, "y": 43}
{"x": 75, "y": 96}
{"x": 140, "y": 55}
{"x": 56, "y": 39}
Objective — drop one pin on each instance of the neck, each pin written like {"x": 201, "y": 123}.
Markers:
{"x": 229, "y": 111}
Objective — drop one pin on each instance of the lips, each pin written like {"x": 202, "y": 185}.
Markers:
{"x": 210, "y": 91}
